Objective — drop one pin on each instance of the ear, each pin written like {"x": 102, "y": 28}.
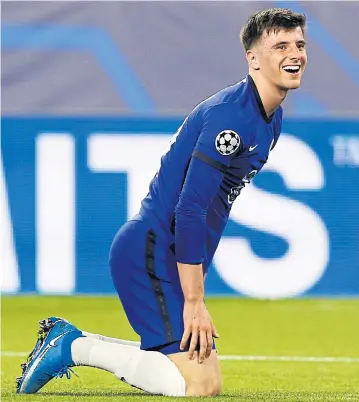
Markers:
{"x": 252, "y": 59}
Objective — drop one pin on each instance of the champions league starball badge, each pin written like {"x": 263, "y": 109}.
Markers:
{"x": 227, "y": 142}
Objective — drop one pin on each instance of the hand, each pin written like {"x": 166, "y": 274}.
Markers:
{"x": 198, "y": 323}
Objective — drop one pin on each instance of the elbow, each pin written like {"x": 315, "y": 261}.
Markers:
{"x": 188, "y": 208}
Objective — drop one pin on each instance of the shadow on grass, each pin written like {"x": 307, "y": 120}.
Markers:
{"x": 237, "y": 395}
{"x": 93, "y": 393}
{"x": 286, "y": 395}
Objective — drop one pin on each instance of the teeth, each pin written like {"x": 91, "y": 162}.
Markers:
{"x": 291, "y": 68}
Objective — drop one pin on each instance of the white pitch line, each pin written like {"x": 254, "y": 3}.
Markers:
{"x": 306, "y": 359}
{"x": 309, "y": 359}
{"x": 5, "y": 353}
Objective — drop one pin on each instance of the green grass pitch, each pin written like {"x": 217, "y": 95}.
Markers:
{"x": 297, "y": 327}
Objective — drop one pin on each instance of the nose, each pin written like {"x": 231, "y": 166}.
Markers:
{"x": 294, "y": 53}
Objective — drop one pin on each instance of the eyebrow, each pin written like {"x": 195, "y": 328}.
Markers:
{"x": 302, "y": 42}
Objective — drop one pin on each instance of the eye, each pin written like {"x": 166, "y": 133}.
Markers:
{"x": 301, "y": 46}
{"x": 282, "y": 47}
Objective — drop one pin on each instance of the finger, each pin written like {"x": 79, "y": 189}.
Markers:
{"x": 209, "y": 343}
{"x": 193, "y": 344}
{"x": 214, "y": 331}
{"x": 185, "y": 337}
{"x": 203, "y": 346}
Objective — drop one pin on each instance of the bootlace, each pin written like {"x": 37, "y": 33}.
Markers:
{"x": 65, "y": 371}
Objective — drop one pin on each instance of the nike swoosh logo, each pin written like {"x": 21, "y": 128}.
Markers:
{"x": 251, "y": 148}
{"x": 53, "y": 341}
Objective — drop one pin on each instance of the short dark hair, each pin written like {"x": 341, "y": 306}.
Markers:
{"x": 273, "y": 19}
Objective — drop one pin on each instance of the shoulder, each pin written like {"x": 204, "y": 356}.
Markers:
{"x": 225, "y": 102}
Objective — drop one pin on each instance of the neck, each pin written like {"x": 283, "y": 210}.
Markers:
{"x": 271, "y": 95}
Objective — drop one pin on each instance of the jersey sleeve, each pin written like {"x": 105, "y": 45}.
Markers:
{"x": 200, "y": 187}
{"x": 219, "y": 140}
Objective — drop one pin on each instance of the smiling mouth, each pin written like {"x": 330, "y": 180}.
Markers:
{"x": 294, "y": 69}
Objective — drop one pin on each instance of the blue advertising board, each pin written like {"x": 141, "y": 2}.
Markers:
{"x": 68, "y": 184}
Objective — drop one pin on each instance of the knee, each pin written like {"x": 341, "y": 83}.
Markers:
{"x": 210, "y": 387}
{"x": 214, "y": 388}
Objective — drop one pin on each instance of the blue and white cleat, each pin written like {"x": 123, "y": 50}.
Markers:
{"x": 51, "y": 356}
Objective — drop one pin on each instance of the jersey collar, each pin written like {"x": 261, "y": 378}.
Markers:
{"x": 259, "y": 101}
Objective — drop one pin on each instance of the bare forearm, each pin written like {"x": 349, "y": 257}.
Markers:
{"x": 191, "y": 277}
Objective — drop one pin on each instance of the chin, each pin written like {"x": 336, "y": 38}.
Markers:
{"x": 294, "y": 84}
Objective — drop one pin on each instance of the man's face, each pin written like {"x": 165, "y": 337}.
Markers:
{"x": 282, "y": 57}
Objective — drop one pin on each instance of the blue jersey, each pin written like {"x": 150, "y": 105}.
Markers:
{"x": 222, "y": 144}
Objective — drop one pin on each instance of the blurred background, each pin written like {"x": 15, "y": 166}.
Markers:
{"x": 92, "y": 93}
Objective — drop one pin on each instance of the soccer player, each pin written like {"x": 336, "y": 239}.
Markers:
{"x": 160, "y": 258}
